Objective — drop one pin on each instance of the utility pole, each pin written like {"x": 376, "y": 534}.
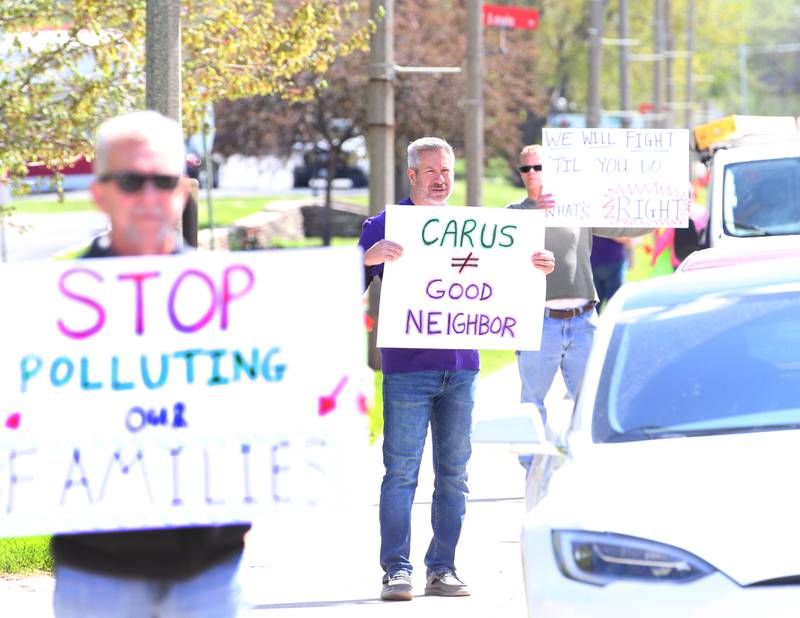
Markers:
{"x": 743, "y": 93}
{"x": 689, "y": 61}
{"x": 658, "y": 55}
{"x": 163, "y": 58}
{"x": 474, "y": 103}
{"x": 380, "y": 136}
{"x": 595, "y": 35}
{"x": 163, "y": 79}
{"x": 624, "y": 87}
{"x": 5, "y": 198}
{"x": 669, "y": 47}
{"x": 380, "y": 109}
{"x": 380, "y": 140}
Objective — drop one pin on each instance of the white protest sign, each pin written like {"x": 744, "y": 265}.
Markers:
{"x": 177, "y": 390}
{"x": 617, "y": 177}
{"x": 465, "y": 279}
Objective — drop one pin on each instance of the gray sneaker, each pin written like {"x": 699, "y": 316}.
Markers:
{"x": 445, "y": 584}
{"x": 397, "y": 587}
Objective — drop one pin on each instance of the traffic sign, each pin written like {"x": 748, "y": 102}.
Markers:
{"x": 510, "y": 17}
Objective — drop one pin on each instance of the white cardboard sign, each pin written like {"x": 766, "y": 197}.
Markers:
{"x": 465, "y": 279}
{"x": 617, "y": 177}
{"x": 178, "y": 390}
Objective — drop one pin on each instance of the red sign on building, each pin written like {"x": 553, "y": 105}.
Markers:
{"x": 510, "y": 17}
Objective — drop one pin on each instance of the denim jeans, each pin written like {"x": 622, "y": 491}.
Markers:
{"x": 215, "y": 593}
{"x": 411, "y": 401}
{"x": 607, "y": 280}
{"x": 566, "y": 345}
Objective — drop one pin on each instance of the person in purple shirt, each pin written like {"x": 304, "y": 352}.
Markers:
{"x": 424, "y": 387}
{"x": 609, "y": 261}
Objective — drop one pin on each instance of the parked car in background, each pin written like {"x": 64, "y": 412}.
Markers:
{"x": 353, "y": 166}
{"x": 196, "y": 168}
{"x": 75, "y": 177}
{"x": 79, "y": 175}
{"x": 676, "y": 492}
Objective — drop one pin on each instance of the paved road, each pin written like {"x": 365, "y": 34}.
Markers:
{"x": 37, "y": 237}
{"x": 324, "y": 564}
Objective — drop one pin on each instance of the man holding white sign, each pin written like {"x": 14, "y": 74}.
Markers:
{"x": 570, "y": 315}
{"x": 422, "y": 387}
{"x": 180, "y": 571}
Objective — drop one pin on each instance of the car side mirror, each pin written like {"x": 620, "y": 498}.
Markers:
{"x": 523, "y": 431}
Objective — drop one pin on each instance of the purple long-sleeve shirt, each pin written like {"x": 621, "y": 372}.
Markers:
{"x": 405, "y": 360}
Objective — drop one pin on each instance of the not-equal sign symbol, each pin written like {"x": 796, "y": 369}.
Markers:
{"x": 462, "y": 263}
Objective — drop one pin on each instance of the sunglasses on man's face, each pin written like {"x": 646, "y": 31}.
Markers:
{"x": 524, "y": 169}
{"x": 131, "y": 182}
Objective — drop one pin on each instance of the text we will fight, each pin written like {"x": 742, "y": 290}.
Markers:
{"x": 617, "y": 177}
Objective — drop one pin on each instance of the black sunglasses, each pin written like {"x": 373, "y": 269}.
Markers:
{"x": 131, "y": 182}
{"x": 524, "y": 169}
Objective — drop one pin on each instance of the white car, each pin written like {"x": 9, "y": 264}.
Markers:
{"x": 677, "y": 493}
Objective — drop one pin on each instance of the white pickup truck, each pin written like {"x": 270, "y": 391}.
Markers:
{"x": 754, "y": 192}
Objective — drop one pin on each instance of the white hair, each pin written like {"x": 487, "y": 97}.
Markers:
{"x": 424, "y": 144}
{"x": 147, "y": 126}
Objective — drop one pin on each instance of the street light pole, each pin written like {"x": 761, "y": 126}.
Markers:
{"x": 474, "y": 103}
{"x": 381, "y": 136}
{"x": 163, "y": 79}
{"x": 624, "y": 88}
{"x": 658, "y": 54}
{"x": 380, "y": 110}
{"x": 743, "y": 93}
{"x": 163, "y": 58}
{"x": 595, "y": 36}
{"x": 689, "y": 61}
{"x": 669, "y": 119}
{"x": 380, "y": 141}
{"x": 5, "y": 198}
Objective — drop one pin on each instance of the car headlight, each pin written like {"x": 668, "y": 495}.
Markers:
{"x": 602, "y": 558}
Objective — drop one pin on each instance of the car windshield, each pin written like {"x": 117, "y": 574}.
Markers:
{"x": 762, "y": 198}
{"x": 717, "y": 364}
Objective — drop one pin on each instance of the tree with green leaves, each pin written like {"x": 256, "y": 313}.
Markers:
{"x": 66, "y": 66}
{"x": 720, "y": 27}
{"x": 426, "y": 34}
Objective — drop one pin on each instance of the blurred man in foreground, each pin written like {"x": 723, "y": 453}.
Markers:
{"x": 171, "y": 572}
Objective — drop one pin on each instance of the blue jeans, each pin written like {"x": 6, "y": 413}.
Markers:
{"x": 608, "y": 278}
{"x": 215, "y": 593}
{"x": 566, "y": 345}
{"x": 410, "y": 402}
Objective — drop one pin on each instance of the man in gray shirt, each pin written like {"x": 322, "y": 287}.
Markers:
{"x": 569, "y": 315}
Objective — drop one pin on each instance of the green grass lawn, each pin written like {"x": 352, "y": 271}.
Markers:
{"x": 26, "y": 556}
{"x": 497, "y": 192}
{"x": 227, "y": 210}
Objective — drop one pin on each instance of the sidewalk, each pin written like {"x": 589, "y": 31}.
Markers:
{"x": 326, "y": 563}
{"x": 311, "y": 569}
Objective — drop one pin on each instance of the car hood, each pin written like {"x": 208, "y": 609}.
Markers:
{"x": 731, "y": 500}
